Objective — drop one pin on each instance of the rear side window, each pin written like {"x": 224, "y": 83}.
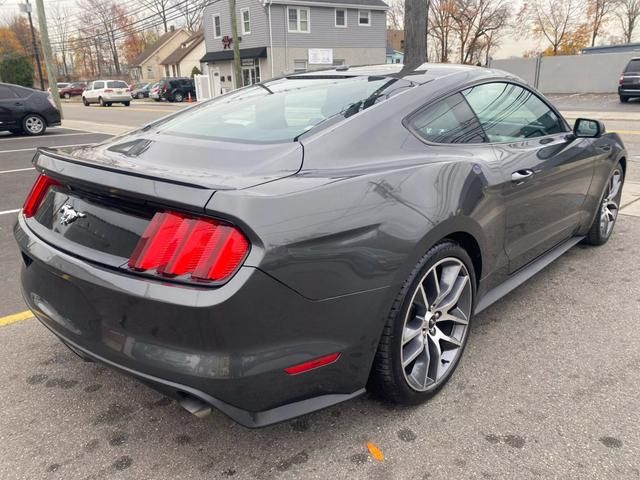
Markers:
{"x": 116, "y": 85}
{"x": 448, "y": 121}
{"x": 633, "y": 66}
{"x": 97, "y": 85}
{"x": 509, "y": 112}
{"x": 21, "y": 92}
{"x": 6, "y": 93}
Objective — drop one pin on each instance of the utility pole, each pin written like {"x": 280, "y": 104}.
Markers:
{"x": 415, "y": 33}
{"x": 48, "y": 54}
{"x": 26, "y": 7}
{"x": 237, "y": 71}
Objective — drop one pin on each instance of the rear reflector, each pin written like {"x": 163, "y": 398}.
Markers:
{"x": 175, "y": 245}
{"x": 36, "y": 195}
{"x": 312, "y": 364}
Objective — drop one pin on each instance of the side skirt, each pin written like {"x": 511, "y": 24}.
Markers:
{"x": 525, "y": 274}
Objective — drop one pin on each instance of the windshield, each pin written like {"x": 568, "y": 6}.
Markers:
{"x": 282, "y": 109}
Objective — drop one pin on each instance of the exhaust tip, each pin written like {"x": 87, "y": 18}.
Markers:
{"x": 195, "y": 406}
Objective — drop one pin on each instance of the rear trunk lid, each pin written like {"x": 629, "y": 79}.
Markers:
{"x": 106, "y": 194}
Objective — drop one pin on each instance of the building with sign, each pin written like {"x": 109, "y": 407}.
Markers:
{"x": 283, "y": 36}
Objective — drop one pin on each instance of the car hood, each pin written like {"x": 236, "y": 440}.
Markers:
{"x": 218, "y": 165}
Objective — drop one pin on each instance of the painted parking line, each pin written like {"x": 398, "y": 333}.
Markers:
{"x": 16, "y": 170}
{"x": 626, "y": 132}
{"x": 4, "y": 140}
{"x": 8, "y": 212}
{"x": 48, "y": 146}
{"x": 16, "y": 317}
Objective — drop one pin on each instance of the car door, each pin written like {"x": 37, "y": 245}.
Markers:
{"x": 10, "y": 106}
{"x": 549, "y": 171}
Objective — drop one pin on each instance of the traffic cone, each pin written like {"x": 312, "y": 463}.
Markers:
{"x": 189, "y": 97}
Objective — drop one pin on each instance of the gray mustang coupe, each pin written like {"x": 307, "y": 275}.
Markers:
{"x": 286, "y": 246}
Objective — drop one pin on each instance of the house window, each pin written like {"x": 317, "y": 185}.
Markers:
{"x": 364, "y": 18}
{"x": 299, "y": 66}
{"x": 217, "y": 27}
{"x": 246, "y": 21}
{"x": 341, "y": 17}
{"x": 298, "y": 19}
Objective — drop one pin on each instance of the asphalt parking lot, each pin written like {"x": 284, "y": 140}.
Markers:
{"x": 547, "y": 388}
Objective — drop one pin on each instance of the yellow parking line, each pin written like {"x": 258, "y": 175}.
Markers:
{"x": 16, "y": 317}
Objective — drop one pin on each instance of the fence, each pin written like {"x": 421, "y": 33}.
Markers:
{"x": 589, "y": 73}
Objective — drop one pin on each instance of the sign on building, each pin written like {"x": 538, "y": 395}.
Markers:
{"x": 320, "y": 56}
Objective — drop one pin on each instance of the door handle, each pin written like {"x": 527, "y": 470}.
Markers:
{"x": 521, "y": 175}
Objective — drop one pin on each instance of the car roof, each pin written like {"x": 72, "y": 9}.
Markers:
{"x": 427, "y": 72}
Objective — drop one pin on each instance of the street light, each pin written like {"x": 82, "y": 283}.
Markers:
{"x": 26, "y": 8}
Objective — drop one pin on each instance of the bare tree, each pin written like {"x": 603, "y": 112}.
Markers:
{"x": 106, "y": 15}
{"x": 599, "y": 11}
{"x": 628, "y": 14}
{"x": 395, "y": 15}
{"x": 162, "y": 9}
{"x": 191, "y": 13}
{"x": 441, "y": 27}
{"x": 554, "y": 20}
{"x": 474, "y": 21}
{"x": 59, "y": 19}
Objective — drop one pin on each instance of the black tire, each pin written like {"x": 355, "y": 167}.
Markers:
{"x": 388, "y": 377}
{"x": 101, "y": 102}
{"x": 34, "y": 125}
{"x": 84, "y": 100}
{"x": 624, "y": 99}
{"x": 598, "y": 235}
{"x": 157, "y": 99}
{"x": 126, "y": 104}
{"x": 140, "y": 95}
{"x": 109, "y": 104}
{"x": 67, "y": 96}
{"x": 178, "y": 97}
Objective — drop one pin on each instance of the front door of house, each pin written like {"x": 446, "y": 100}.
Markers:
{"x": 250, "y": 72}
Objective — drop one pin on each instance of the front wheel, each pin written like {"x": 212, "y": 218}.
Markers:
{"x": 605, "y": 219}
{"x": 140, "y": 96}
{"x": 86, "y": 103}
{"x": 67, "y": 96}
{"x": 427, "y": 328}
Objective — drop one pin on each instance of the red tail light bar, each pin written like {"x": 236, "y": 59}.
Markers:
{"x": 36, "y": 194}
{"x": 177, "y": 245}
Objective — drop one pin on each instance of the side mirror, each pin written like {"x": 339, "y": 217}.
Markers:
{"x": 586, "y": 128}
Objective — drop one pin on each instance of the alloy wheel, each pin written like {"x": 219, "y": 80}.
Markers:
{"x": 609, "y": 208}
{"x": 436, "y": 324}
{"x": 34, "y": 125}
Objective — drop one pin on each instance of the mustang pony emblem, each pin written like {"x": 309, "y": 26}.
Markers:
{"x": 69, "y": 214}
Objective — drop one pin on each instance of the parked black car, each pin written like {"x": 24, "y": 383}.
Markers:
{"x": 629, "y": 85}
{"x": 25, "y": 110}
{"x": 141, "y": 90}
{"x": 286, "y": 246}
{"x": 177, "y": 89}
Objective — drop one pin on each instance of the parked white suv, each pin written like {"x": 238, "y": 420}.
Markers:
{"x": 107, "y": 92}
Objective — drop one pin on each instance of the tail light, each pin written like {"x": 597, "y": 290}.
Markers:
{"x": 193, "y": 248}
{"x": 621, "y": 79}
{"x": 51, "y": 101}
{"x": 108, "y": 90}
{"x": 36, "y": 195}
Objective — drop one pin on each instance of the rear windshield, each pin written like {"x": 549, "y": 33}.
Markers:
{"x": 117, "y": 85}
{"x": 282, "y": 109}
{"x": 633, "y": 66}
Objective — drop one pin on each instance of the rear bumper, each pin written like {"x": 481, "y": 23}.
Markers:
{"x": 117, "y": 98}
{"x": 52, "y": 116}
{"x": 226, "y": 346}
{"x": 630, "y": 92}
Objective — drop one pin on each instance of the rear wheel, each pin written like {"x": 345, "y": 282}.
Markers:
{"x": 67, "y": 96}
{"x": 34, "y": 125}
{"x": 427, "y": 328}
{"x": 101, "y": 102}
{"x": 126, "y": 104}
{"x": 178, "y": 97}
{"x": 624, "y": 99}
{"x": 140, "y": 95}
{"x": 604, "y": 221}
